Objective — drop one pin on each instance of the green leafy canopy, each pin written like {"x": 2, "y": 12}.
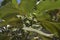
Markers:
{"x": 25, "y": 8}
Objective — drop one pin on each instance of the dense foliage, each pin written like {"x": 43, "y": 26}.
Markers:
{"x": 30, "y": 20}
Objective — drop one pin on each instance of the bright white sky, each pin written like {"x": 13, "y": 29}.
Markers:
{"x": 17, "y": 1}
{"x": 1, "y": 0}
